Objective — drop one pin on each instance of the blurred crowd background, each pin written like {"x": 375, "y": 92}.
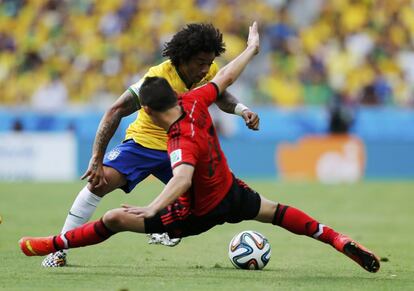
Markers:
{"x": 55, "y": 54}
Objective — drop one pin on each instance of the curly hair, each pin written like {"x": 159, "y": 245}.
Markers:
{"x": 193, "y": 39}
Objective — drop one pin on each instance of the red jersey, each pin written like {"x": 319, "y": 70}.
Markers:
{"x": 192, "y": 139}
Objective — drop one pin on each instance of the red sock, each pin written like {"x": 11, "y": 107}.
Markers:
{"x": 300, "y": 223}
{"x": 88, "y": 234}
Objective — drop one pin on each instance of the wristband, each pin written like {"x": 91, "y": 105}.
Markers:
{"x": 240, "y": 107}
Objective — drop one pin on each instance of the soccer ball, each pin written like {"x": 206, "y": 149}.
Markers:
{"x": 249, "y": 250}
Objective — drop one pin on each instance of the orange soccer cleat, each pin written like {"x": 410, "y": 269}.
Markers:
{"x": 361, "y": 255}
{"x": 37, "y": 246}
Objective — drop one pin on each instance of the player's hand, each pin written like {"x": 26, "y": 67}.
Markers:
{"x": 95, "y": 174}
{"x": 254, "y": 39}
{"x": 251, "y": 118}
{"x": 143, "y": 212}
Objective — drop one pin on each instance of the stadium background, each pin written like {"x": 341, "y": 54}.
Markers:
{"x": 325, "y": 67}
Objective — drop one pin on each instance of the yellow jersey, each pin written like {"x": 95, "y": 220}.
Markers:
{"x": 143, "y": 130}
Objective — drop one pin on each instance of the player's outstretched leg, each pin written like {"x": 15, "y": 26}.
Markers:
{"x": 88, "y": 234}
{"x": 81, "y": 211}
{"x": 298, "y": 222}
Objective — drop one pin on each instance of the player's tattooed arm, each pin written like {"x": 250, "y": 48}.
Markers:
{"x": 227, "y": 102}
{"x": 125, "y": 105}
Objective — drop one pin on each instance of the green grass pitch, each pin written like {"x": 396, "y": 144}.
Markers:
{"x": 378, "y": 214}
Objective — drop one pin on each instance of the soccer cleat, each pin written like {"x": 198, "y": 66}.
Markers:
{"x": 37, "y": 246}
{"x": 55, "y": 260}
{"x": 162, "y": 239}
{"x": 361, "y": 255}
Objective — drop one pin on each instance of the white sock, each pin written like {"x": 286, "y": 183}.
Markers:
{"x": 82, "y": 209}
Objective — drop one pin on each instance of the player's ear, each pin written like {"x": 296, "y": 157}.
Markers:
{"x": 147, "y": 110}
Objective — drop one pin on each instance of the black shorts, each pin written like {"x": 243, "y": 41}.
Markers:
{"x": 241, "y": 203}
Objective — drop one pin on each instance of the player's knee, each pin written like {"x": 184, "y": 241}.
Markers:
{"x": 267, "y": 210}
{"x": 114, "y": 219}
{"x": 95, "y": 190}
{"x": 114, "y": 180}
{"x": 99, "y": 191}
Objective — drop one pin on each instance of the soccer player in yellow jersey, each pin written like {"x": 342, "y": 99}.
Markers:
{"x": 191, "y": 53}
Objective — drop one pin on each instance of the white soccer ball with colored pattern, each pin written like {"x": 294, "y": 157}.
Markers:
{"x": 249, "y": 250}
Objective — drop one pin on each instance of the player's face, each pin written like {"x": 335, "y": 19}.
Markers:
{"x": 197, "y": 67}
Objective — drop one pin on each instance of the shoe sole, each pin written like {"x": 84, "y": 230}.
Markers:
{"x": 367, "y": 260}
{"x": 54, "y": 264}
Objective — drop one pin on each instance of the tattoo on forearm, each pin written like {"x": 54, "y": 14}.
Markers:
{"x": 230, "y": 107}
{"x": 105, "y": 132}
{"x": 124, "y": 106}
{"x": 227, "y": 102}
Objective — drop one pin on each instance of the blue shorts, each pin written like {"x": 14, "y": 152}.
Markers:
{"x": 136, "y": 163}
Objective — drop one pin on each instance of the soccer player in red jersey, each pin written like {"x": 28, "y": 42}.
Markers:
{"x": 203, "y": 192}
{"x": 190, "y": 63}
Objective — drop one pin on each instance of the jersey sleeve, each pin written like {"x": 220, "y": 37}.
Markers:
{"x": 207, "y": 93}
{"x": 185, "y": 152}
{"x": 134, "y": 88}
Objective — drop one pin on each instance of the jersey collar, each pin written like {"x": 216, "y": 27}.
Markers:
{"x": 178, "y": 119}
